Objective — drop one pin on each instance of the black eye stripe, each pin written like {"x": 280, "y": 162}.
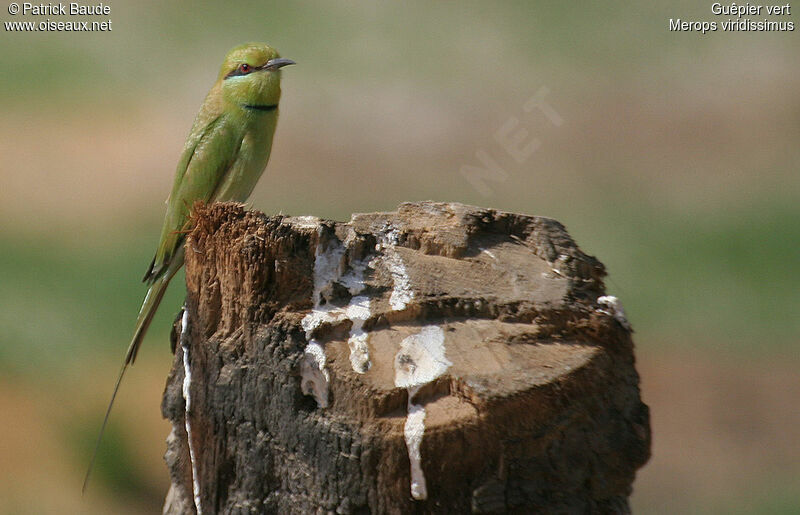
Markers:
{"x": 237, "y": 72}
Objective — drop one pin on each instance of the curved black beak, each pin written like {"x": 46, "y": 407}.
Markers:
{"x": 280, "y": 62}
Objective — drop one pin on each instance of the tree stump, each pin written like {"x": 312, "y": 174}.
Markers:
{"x": 439, "y": 359}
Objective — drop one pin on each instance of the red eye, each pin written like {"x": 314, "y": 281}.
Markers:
{"x": 244, "y": 68}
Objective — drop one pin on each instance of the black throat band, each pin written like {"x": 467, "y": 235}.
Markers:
{"x": 256, "y": 107}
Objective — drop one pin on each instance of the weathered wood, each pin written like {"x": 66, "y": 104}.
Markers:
{"x": 440, "y": 359}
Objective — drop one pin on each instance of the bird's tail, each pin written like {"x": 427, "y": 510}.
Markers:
{"x": 149, "y": 306}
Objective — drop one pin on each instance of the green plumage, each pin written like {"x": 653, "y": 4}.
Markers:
{"x": 226, "y": 152}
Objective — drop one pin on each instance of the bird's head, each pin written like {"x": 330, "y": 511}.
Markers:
{"x": 250, "y": 75}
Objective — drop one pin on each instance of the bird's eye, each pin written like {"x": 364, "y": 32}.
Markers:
{"x": 244, "y": 68}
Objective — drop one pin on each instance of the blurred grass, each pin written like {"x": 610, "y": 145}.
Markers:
{"x": 360, "y": 42}
{"x": 116, "y": 468}
{"x": 62, "y": 303}
{"x": 676, "y": 166}
{"x": 725, "y": 279}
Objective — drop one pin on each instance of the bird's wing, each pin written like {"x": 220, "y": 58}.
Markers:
{"x": 206, "y": 159}
{"x": 206, "y": 117}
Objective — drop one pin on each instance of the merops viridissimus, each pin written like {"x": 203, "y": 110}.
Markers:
{"x": 224, "y": 156}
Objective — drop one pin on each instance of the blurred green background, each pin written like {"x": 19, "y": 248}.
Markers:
{"x": 675, "y": 162}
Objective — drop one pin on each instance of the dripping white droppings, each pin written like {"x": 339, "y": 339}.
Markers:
{"x": 328, "y": 268}
{"x": 358, "y": 312}
{"x": 420, "y": 360}
{"x": 401, "y": 290}
{"x": 187, "y": 381}
{"x": 315, "y": 378}
{"x": 413, "y": 431}
{"x": 615, "y": 310}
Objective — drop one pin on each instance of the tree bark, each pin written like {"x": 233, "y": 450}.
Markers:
{"x": 438, "y": 359}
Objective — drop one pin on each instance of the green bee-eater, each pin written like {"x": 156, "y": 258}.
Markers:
{"x": 224, "y": 155}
